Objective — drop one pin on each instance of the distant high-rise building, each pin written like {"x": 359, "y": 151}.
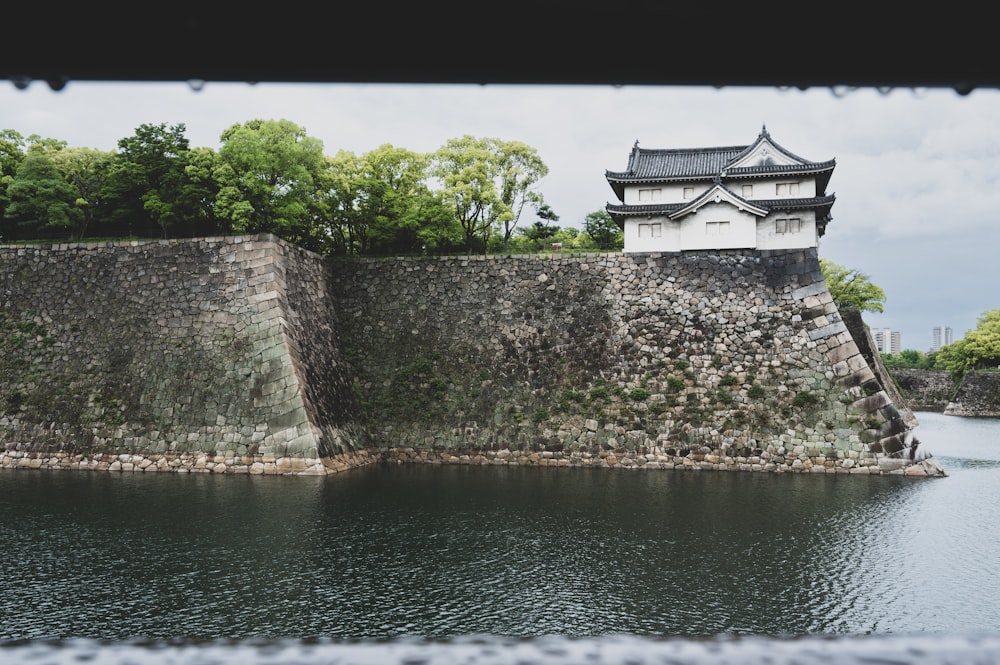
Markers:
{"x": 887, "y": 340}
{"x": 940, "y": 336}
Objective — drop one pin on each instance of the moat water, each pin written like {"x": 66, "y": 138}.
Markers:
{"x": 428, "y": 552}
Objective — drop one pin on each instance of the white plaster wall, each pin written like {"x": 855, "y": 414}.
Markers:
{"x": 742, "y": 228}
{"x": 806, "y": 237}
{"x": 672, "y": 193}
{"x": 691, "y": 231}
{"x": 668, "y": 241}
{"x": 762, "y": 189}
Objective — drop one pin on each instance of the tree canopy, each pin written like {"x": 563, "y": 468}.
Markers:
{"x": 603, "y": 229}
{"x": 271, "y": 176}
{"x": 851, "y": 288}
{"x": 979, "y": 349}
{"x": 38, "y": 195}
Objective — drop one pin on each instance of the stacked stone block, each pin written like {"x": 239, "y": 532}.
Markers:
{"x": 738, "y": 358}
{"x": 165, "y": 348}
{"x": 978, "y": 395}
{"x": 252, "y": 355}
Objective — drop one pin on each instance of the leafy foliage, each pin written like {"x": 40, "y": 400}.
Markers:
{"x": 270, "y": 176}
{"x": 979, "y": 349}
{"x": 145, "y": 181}
{"x": 39, "y": 195}
{"x": 851, "y": 288}
{"x": 909, "y": 359}
{"x": 603, "y": 229}
{"x": 267, "y": 174}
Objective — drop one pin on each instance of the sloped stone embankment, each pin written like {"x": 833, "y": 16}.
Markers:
{"x": 250, "y": 355}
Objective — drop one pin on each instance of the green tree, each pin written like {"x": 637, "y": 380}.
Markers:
{"x": 12, "y": 153}
{"x": 267, "y": 175}
{"x": 851, "y": 288}
{"x": 954, "y": 358}
{"x": 39, "y": 197}
{"x": 389, "y": 187}
{"x": 380, "y": 203}
{"x": 462, "y": 167}
{"x": 979, "y": 349}
{"x": 907, "y": 359}
{"x": 982, "y": 345}
{"x": 438, "y": 232}
{"x": 546, "y": 214}
{"x": 146, "y": 180}
{"x": 487, "y": 183}
{"x": 517, "y": 170}
{"x": 337, "y": 199}
{"x": 539, "y": 232}
{"x": 199, "y": 191}
{"x": 86, "y": 169}
{"x": 536, "y": 235}
{"x": 572, "y": 238}
{"x": 601, "y": 227}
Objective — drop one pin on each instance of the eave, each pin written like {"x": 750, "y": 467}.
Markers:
{"x": 719, "y": 193}
{"x": 822, "y": 171}
{"x": 821, "y": 204}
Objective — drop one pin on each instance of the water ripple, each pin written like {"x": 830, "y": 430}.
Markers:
{"x": 443, "y": 552}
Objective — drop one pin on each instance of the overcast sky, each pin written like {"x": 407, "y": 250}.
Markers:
{"x": 917, "y": 178}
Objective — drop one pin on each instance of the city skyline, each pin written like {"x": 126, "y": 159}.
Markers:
{"x": 941, "y": 336}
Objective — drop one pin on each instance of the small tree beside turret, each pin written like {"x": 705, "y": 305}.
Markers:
{"x": 851, "y": 288}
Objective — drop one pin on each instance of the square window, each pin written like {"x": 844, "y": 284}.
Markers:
{"x": 793, "y": 225}
{"x": 650, "y": 194}
{"x": 716, "y": 228}
{"x": 688, "y": 192}
{"x": 650, "y": 230}
{"x": 747, "y": 191}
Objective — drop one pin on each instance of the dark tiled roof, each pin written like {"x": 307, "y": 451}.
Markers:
{"x": 796, "y": 204}
{"x": 693, "y": 163}
{"x": 822, "y": 204}
{"x": 664, "y": 209}
{"x": 778, "y": 169}
{"x": 664, "y": 165}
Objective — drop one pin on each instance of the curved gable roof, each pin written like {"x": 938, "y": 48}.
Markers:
{"x": 674, "y": 211}
{"x": 762, "y": 148}
{"x": 718, "y": 194}
{"x": 664, "y": 165}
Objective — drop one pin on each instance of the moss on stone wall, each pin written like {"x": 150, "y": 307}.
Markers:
{"x": 161, "y": 346}
{"x": 724, "y": 351}
{"x": 251, "y": 348}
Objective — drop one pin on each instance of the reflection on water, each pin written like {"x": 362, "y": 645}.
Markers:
{"x": 442, "y": 552}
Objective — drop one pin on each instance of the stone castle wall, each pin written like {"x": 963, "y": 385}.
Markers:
{"x": 926, "y": 390}
{"x": 211, "y": 348}
{"x": 251, "y": 355}
{"x": 723, "y": 360}
{"x": 977, "y": 395}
